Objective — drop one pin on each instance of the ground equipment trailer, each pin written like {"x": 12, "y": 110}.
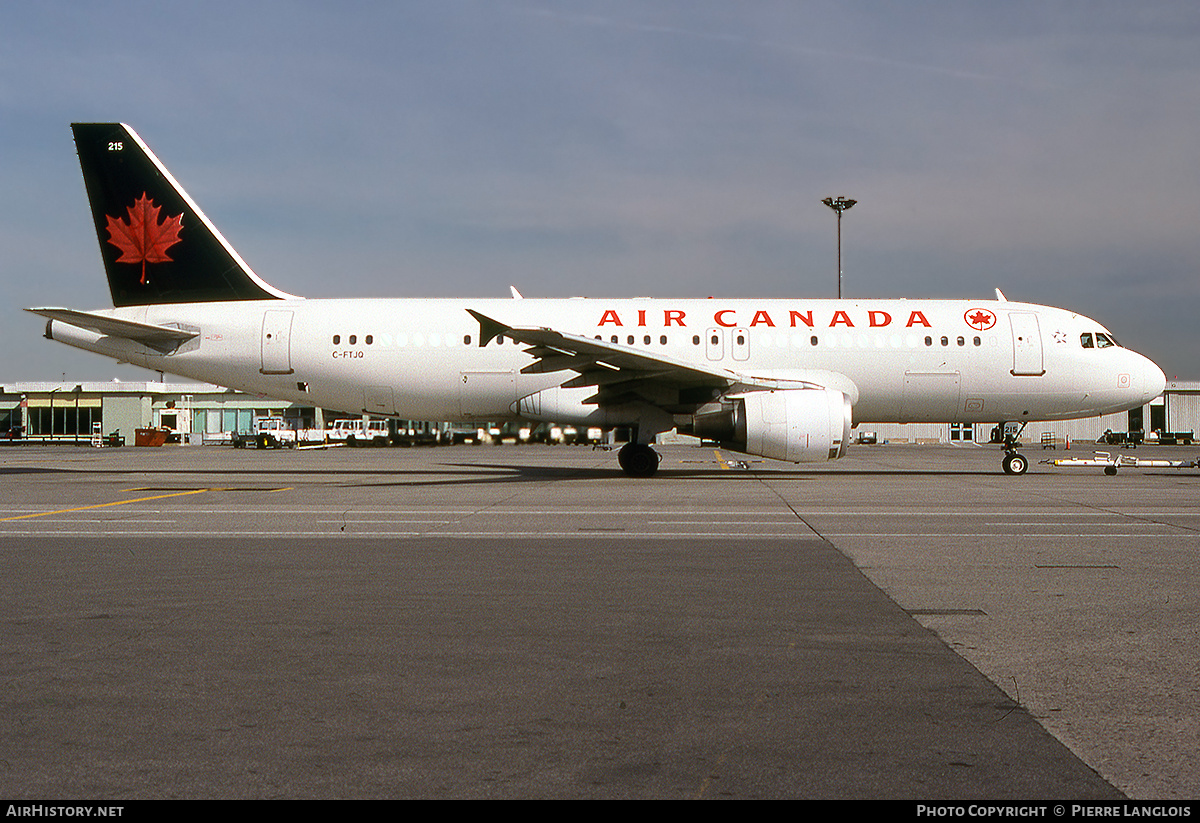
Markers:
{"x": 1111, "y": 462}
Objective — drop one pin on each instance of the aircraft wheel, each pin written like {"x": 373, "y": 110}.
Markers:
{"x": 1110, "y": 470}
{"x": 1015, "y": 464}
{"x": 637, "y": 460}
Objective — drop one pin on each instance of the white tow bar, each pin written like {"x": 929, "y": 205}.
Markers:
{"x": 1111, "y": 462}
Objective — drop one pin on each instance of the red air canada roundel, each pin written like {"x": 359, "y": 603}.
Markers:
{"x": 980, "y": 319}
{"x": 143, "y": 238}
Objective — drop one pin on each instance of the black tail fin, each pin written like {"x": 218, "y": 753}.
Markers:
{"x": 158, "y": 247}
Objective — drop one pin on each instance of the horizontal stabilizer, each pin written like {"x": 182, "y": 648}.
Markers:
{"x": 162, "y": 338}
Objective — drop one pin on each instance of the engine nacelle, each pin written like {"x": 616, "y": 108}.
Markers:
{"x": 796, "y": 425}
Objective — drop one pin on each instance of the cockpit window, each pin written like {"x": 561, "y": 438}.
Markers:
{"x": 1098, "y": 340}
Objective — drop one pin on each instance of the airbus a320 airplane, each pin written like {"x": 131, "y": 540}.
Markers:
{"x": 783, "y": 379}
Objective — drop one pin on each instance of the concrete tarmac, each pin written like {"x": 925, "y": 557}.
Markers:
{"x": 510, "y": 622}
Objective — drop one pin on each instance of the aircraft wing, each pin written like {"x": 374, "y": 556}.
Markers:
{"x": 162, "y": 338}
{"x": 621, "y": 373}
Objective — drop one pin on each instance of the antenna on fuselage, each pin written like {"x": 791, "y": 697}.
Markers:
{"x": 1000, "y": 296}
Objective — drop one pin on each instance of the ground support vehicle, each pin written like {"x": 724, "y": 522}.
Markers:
{"x": 274, "y": 433}
{"x": 358, "y": 432}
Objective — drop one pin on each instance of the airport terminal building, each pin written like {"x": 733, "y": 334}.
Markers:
{"x": 52, "y": 411}
{"x": 199, "y": 413}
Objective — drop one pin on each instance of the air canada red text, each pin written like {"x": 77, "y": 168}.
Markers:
{"x": 791, "y": 318}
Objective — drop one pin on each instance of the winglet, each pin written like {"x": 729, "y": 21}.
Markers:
{"x": 489, "y": 329}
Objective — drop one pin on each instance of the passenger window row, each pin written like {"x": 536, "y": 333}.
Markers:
{"x": 632, "y": 340}
{"x": 961, "y": 341}
{"x": 401, "y": 340}
{"x": 1087, "y": 340}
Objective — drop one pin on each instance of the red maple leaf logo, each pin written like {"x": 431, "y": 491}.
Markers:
{"x": 142, "y": 238}
{"x": 980, "y": 319}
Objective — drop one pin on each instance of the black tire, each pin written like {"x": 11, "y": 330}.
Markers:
{"x": 637, "y": 460}
{"x": 1015, "y": 464}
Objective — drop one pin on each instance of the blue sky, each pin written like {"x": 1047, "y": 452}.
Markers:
{"x": 452, "y": 147}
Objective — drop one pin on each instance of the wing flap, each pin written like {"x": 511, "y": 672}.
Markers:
{"x": 552, "y": 361}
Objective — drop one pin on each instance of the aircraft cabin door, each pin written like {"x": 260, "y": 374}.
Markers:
{"x": 714, "y": 344}
{"x": 741, "y": 344}
{"x": 276, "y": 342}
{"x": 1027, "y": 344}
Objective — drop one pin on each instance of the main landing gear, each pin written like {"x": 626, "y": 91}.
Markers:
{"x": 638, "y": 460}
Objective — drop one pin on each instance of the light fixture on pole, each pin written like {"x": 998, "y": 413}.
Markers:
{"x": 839, "y": 204}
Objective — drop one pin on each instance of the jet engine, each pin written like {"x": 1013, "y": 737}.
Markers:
{"x": 796, "y": 425}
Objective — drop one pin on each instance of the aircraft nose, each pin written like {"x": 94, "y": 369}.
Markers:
{"x": 1154, "y": 381}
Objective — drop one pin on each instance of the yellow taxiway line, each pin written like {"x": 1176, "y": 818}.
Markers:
{"x": 104, "y": 505}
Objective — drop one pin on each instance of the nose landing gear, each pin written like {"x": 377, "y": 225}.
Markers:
{"x": 1013, "y": 462}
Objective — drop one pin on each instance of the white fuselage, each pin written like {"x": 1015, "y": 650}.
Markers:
{"x": 897, "y": 360}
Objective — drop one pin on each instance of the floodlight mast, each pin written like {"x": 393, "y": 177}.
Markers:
{"x": 839, "y": 204}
